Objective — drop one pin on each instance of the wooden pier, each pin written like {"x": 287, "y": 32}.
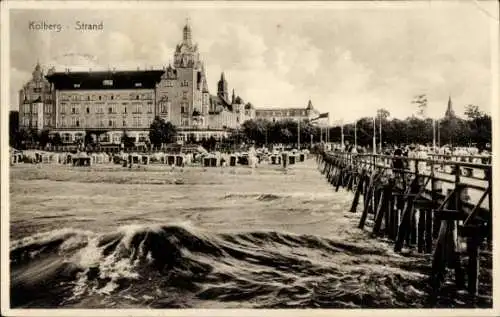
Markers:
{"x": 432, "y": 205}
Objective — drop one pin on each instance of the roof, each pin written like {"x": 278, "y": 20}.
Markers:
{"x": 218, "y": 100}
{"x": 279, "y": 109}
{"x": 105, "y": 79}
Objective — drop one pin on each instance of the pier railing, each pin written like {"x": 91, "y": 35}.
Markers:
{"x": 433, "y": 204}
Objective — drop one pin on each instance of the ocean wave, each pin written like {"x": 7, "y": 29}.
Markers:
{"x": 179, "y": 265}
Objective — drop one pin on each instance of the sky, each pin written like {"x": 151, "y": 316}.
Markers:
{"x": 349, "y": 61}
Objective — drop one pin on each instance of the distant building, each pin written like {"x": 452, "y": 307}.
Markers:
{"x": 106, "y": 103}
{"x": 278, "y": 114}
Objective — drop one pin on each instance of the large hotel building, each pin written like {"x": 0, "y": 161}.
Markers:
{"x": 106, "y": 103}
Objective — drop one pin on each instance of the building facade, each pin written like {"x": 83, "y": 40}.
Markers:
{"x": 294, "y": 114}
{"x": 36, "y": 103}
{"x": 108, "y": 104}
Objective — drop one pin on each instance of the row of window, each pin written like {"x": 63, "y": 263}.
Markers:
{"x": 27, "y": 108}
{"x": 129, "y": 96}
{"x": 281, "y": 113}
{"x": 101, "y": 123}
{"x": 110, "y": 109}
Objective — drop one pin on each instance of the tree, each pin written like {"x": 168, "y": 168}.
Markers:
{"x": 472, "y": 112}
{"x": 43, "y": 137}
{"x": 161, "y": 132}
{"x": 383, "y": 114}
{"x": 56, "y": 140}
{"x": 128, "y": 141}
{"x": 421, "y": 102}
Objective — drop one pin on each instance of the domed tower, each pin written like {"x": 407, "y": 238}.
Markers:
{"x": 186, "y": 53}
{"x": 37, "y": 72}
{"x": 222, "y": 88}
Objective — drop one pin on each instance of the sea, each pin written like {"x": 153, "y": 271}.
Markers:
{"x": 235, "y": 237}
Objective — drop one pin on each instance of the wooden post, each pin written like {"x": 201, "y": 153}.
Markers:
{"x": 437, "y": 187}
{"x": 359, "y": 188}
{"x": 404, "y": 225}
{"x": 386, "y": 195}
{"x": 473, "y": 265}
{"x": 340, "y": 175}
{"x": 421, "y": 230}
{"x": 367, "y": 202}
{"x": 352, "y": 175}
{"x": 428, "y": 230}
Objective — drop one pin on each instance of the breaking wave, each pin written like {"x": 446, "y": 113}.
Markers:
{"x": 167, "y": 266}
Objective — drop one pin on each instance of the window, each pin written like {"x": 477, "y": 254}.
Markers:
{"x": 125, "y": 109}
{"x": 110, "y": 123}
{"x": 138, "y": 84}
{"x": 150, "y": 107}
{"x": 164, "y": 107}
{"x": 185, "y": 83}
{"x": 110, "y": 110}
{"x": 137, "y": 97}
{"x": 73, "y": 110}
{"x": 182, "y": 109}
{"x": 88, "y": 110}
{"x": 77, "y": 123}
{"x": 76, "y": 85}
{"x": 35, "y": 109}
{"x": 74, "y": 122}
{"x": 26, "y": 108}
{"x": 138, "y": 108}
{"x": 88, "y": 97}
{"x": 124, "y": 123}
{"x": 112, "y": 97}
{"x": 184, "y": 94}
{"x": 100, "y": 97}
{"x": 107, "y": 82}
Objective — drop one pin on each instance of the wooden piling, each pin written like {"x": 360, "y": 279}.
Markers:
{"x": 359, "y": 188}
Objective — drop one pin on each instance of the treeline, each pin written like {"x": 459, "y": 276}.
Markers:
{"x": 474, "y": 129}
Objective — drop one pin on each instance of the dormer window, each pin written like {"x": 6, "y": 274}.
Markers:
{"x": 107, "y": 82}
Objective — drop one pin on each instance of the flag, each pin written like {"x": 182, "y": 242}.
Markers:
{"x": 321, "y": 116}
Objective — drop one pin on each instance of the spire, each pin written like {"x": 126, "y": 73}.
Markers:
{"x": 37, "y": 72}
{"x": 222, "y": 88}
{"x": 309, "y": 105}
{"x": 449, "y": 110}
{"x": 233, "y": 97}
{"x": 187, "y": 32}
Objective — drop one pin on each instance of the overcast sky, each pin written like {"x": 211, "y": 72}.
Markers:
{"x": 349, "y": 62}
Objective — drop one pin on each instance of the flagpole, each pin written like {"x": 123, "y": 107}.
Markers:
{"x": 298, "y": 135}
{"x": 434, "y": 135}
{"x": 342, "y": 135}
{"x": 438, "y": 133}
{"x": 356, "y": 134}
{"x": 374, "y": 137}
{"x": 380, "y": 133}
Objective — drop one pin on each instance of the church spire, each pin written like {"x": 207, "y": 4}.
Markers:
{"x": 222, "y": 88}
{"x": 449, "y": 110}
{"x": 309, "y": 105}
